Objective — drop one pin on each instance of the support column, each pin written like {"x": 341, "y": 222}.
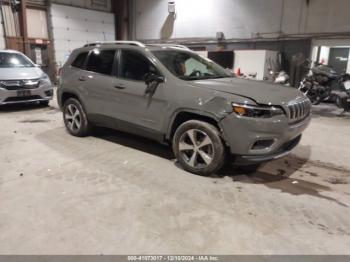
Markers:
{"x": 23, "y": 26}
{"x": 121, "y": 11}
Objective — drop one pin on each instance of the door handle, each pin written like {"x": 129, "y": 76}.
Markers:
{"x": 82, "y": 78}
{"x": 119, "y": 86}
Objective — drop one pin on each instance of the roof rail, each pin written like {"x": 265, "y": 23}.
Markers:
{"x": 135, "y": 43}
{"x": 171, "y": 45}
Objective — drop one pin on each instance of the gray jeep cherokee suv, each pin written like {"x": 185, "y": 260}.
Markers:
{"x": 172, "y": 95}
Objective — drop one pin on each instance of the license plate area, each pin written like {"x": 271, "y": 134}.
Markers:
{"x": 24, "y": 93}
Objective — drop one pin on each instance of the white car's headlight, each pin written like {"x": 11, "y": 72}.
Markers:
{"x": 44, "y": 79}
{"x": 256, "y": 111}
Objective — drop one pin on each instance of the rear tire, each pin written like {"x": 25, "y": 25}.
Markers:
{"x": 75, "y": 118}
{"x": 198, "y": 147}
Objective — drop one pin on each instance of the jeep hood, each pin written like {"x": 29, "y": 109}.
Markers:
{"x": 260, "y": 92}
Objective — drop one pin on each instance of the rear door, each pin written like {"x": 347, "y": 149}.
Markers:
{"x": 135, "y": 108}
{"x": 98, "y": 81}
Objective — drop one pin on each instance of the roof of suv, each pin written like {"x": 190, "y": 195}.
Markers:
{"x": 135, "y": 44}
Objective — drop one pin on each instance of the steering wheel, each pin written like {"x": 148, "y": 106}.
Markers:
{"x": 196, "y": 73}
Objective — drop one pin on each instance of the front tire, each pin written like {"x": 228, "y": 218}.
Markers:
{"x": 75, "y": 118}
{"x": 198, "y": 147}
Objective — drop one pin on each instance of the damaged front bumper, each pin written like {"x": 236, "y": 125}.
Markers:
{"x": 255, "y": 140}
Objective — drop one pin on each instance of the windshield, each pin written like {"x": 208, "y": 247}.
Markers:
{"x": 14, "y": 60}
{"x": 190, "y": 66}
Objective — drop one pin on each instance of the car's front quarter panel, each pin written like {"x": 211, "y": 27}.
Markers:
{"x": 183, "y": 97}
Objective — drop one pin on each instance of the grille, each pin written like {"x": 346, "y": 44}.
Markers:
{"x": 19, "y": 84}
{"x": 299, "y": 110}
{"x": 22, "y": 99}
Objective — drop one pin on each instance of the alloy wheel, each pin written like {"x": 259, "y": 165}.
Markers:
{"x": 73, "y": 117}
{"x": 196, "y": 148}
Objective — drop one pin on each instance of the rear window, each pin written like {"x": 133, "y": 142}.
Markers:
{"x": 101, "y": 61}
{"x": 14, "y": 60}
{"x": 80, "y": 60}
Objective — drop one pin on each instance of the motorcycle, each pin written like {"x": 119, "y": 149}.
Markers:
{"x": 281, "y": 78}
{"x": 321, "y": 84}
{"x": 343, "y": 96}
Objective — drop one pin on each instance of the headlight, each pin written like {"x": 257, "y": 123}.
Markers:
{"x": 44, "y": 79}
{"x": 256, "y": 111}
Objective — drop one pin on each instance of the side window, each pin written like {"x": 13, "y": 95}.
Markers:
{"x": 135, "y": 66}
{"x": 193, "y": 65}
{"x": 101, "y": 61}
{"x": 80, "y": 60}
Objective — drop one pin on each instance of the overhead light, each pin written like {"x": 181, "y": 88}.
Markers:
{"x": 171, "y": 7}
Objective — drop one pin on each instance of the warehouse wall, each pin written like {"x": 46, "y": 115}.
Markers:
{"x": 100, "y": 5}
{"x": 239, "y": 18}
{"x": 2, "y": 34}
{"x": 74, "y": 27}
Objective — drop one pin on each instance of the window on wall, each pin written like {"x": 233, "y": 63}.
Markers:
{"x": 101, "y": 61}
{"x": 135, "y": 66}
{"x": 101, "y": 4}
{"x": 37, "y": 23}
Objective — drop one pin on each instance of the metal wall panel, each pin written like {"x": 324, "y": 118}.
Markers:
{"x": 101, "y": 5}
{"x": 10, "y": 19}
{"x": 238, "y": 19}
{"x": 37, "y": 2}
{"x": 74, "y": 27}
{"x": 2, "y": 34}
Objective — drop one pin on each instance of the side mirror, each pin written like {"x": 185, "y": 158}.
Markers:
{"x": 152, "y": 81}
{"x": 150, "y": 77}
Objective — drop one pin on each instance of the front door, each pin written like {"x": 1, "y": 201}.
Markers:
{"x": 135, "y": 109}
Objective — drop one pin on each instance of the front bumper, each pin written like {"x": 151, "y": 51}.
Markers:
{"x": 42, "y": 93}
{"x": 242, "y": 134}
{"x": 285, "y": 150}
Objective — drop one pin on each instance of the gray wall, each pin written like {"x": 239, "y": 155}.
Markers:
{"x": 239, "y": 19}
{"x": 2, "y": 34}
{"x": 100, "y": 5}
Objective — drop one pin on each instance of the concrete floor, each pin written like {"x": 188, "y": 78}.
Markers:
{"x": 119, "y": 194}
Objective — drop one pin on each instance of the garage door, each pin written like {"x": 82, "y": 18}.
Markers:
{"x": 74, "y": 27}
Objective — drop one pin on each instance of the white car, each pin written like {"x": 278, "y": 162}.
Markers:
{"x": 21, "y": 81}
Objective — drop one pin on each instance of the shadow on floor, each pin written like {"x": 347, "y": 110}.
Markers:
{"x": 329, "y": 110}
{"x": 23, "y": 107}
{"x": 278, "y": 177}
{"x": 283, "y": 168}
{"x": 275, "y": 175}
{"x": 135, "y": 142}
